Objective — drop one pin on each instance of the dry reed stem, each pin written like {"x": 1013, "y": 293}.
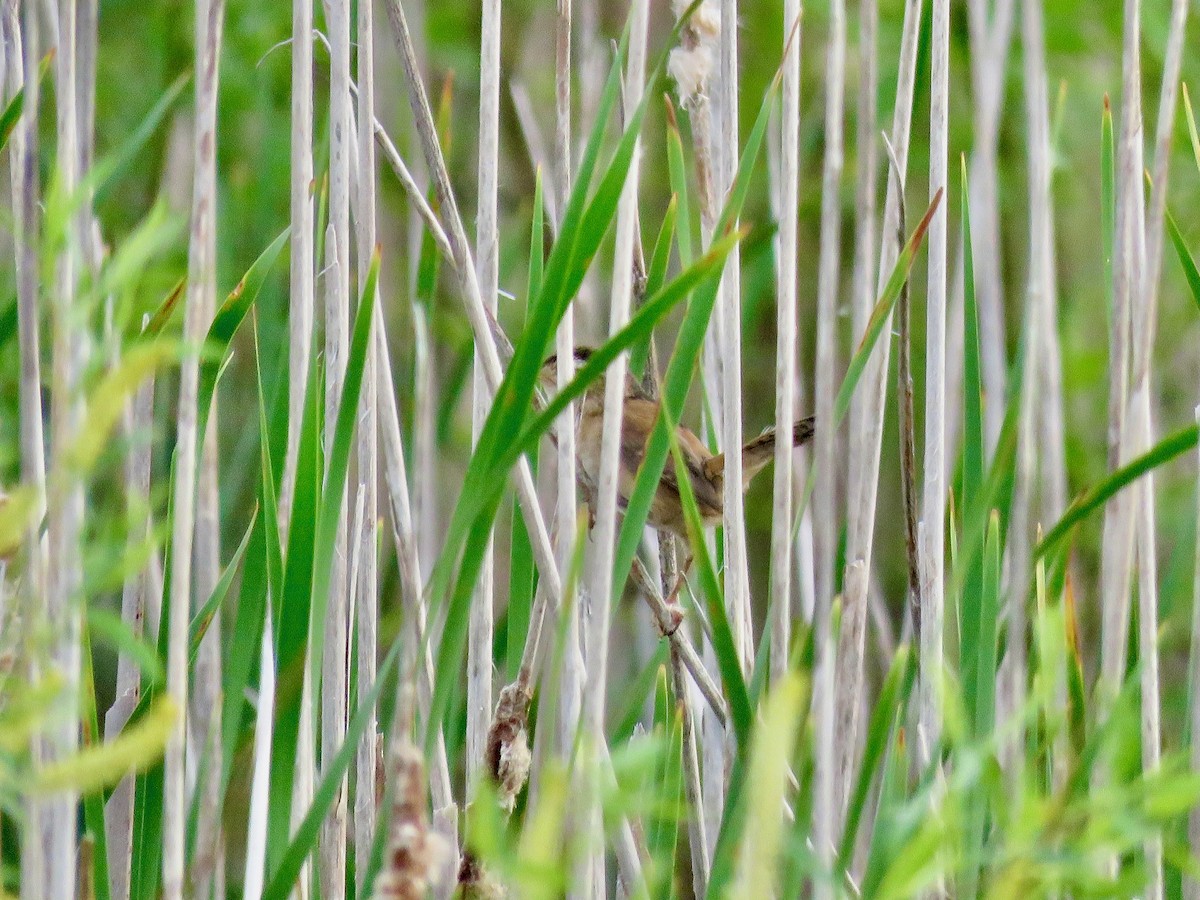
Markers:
{"x": 933, "y": 504}
{"x": 201, "y": 260}
{"x": 302, "y": 302}
{"x": 480, "y": 627}
{"x": 118, "y": 812}
{"x": 729, "y": 341}
{"x": 395, "y": 479}
{"x": 598, "y": 622}
{"x": 574, "y": 672}
{"x": 691, "y": 67}
{"x": 207, "y": 872}
{"x": 862, "y": 301}
{"x": 260, "y": 782}
{"x": 303, "y": 267}
{"x": 825, "y": 689}
{"x": 65, "y": 503}
{"x": 868, "y": 406}
{"x": 1117, "y": 556}
{"x": 1191, "y": 884}
{"x": 334, "y": 679}
{"x": 1144, "y": 326}
{"x": 787, "y": 193}
{"x": 21, "y": 67}
{"x": 990, "y": 37}
{"x": 365, "y": 548}
{"x": 416, "y": 196}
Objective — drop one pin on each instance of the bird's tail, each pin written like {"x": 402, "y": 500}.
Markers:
{"x": 759, "y": 451}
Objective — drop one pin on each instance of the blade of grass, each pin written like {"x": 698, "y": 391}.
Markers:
{"x": 1162, "y": 452}
{"x": 1190, "y": 272}
{"x": 893, "y": 696}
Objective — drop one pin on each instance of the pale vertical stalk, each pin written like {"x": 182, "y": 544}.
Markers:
{"x": 729, "y": 340}
{"x": 208, "y": 864}
{"x": 1191, "y": 884}
{"x": 868, "y": 407}
{"x": 933, "y": 504}
{"x": 827, "y": 300}
{"x": 573, "y": 672}
{"x": 425, "y": 434}
{"x": 604, "y": 533}
{"x": 691, "y": 66}
{"x": 65, "y": 506}
{"x": 334, "y": 674}
{"x": 366, "y": 548}
{"x": 118, "y": 813}
{"x": 1041, "y": 386}
{"x": 481, "y": 626}
{"x": 1117, "y": 557}
{"x": 303, "y": 267}
{"x": 852, "y": 640}
{"x": 395, "y": 478}
{"x": 201, "y": 262}
{"x": 788, "y": 192}
{"x": 990, "y": 37}
{"x": 1144, "y": 324}
{"x": 866, "y": 138}
{"x": 21, "y": 66}
{"x": 824, "y": 686}
{"x": 260, "y": 779}
{"x": 1019, "y": 552}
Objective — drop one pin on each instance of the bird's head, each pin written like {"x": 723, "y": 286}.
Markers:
{"x": 548, "y": 377}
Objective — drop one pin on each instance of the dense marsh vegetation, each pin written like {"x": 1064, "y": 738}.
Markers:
{"x": 298, "y": 596}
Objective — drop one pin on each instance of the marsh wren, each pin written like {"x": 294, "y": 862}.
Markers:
{"x": 706, "y": 470}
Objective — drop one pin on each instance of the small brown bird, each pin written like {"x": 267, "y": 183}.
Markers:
{"x": 706, "y": 471}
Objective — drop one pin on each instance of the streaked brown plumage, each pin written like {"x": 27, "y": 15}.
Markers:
{"x": 706, "y": 470}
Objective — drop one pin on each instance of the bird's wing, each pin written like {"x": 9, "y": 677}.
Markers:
{"x": 697, "y": 457}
